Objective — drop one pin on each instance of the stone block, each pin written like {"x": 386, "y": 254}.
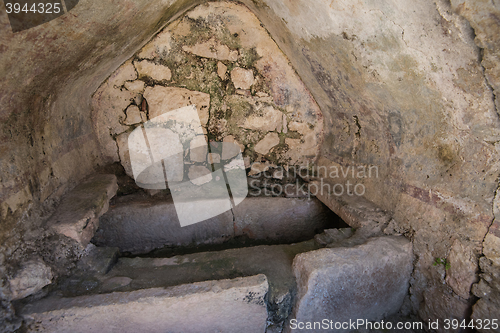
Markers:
{"x": 280, "y": 219}
{"x": 356, "y": 211}
{"x": 487, "y": 308}
{"x": 369, "y": 281}
{"x": 221, "y": 70}
{"x": 139, "y": 225}
{"x": 133, "y": 115}
{"x": 269, "y": 120}
{"x": 264, "y": 146}
{"x": 242, "y": 78}
{"x": 213, "y": 306}
{"x": 463, "y": 269}
{"x": 164, "y": 99}
{"x": 151, "y": 70}
{"x": 77, "y": 216}
{"x": 31, "y": 278}
{"x": 98, "y": 259}
{"x": 212, "y": 49}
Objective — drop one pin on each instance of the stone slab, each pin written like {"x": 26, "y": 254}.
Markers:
{"x": 369, "y": 281}
{"x": 165, "y": 270}
{"x": 139, "y": 225}
{"x": 77, "y": 216}
{"x": 281, "y": 219}
{"x": 31, "y": 278}
{"x": 213, "y": 306}
{"x": 354, "y": 210}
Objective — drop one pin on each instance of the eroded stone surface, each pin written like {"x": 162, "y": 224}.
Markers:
{"x": 212, "y": 49}
{"x": 264, "y": 95}
{"x": 148, "y": 69}
{"x": 280, "y": 219}
{"x": 259, "y": 218}
{"x": 133, "y": 115}
{"x": 242, "y": 78}
{"x": 31, "y": 278}
{"x": 386, "y": 265}
{"x": 264, "y": 146}
{"x": 199, "y": 175}
{"x": 135, "y": 86}
{"x": 164, "y": 99}
{"x": 462, "y": 271}
{"x": 77, "y": 216}
{"x": 227, "y": 305}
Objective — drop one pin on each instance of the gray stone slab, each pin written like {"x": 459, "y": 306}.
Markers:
{"x": 142, "y": 225}
{"x": 368, "y": 281}
{"x": 139, "y": 225}
{"x": 213, "y": 306}
{"x": 281, "y": 219}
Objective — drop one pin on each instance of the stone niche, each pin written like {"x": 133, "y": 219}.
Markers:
{"x": 219, "y": 58}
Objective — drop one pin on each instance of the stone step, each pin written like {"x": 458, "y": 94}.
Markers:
{"x": 136, "y": 224}
{"x": 367, "y": 281}
{"x": 235, "y": 305}
{"x": 77, "y": 216}
{"x": 132, "y": 274}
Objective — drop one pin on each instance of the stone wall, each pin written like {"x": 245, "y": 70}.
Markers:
{"x": 408, "y": 86}
{"x": 219, "y": 58}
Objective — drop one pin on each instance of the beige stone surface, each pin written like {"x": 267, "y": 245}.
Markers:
{"x": 108, "y": 105}
{"x": 136, "y": 86}
{"x": 221, "y": 70}
{"x": 164, "y": 99}
{"x": 124, "y": 153}
{"x": 31, "y": 278}
{"x": 198, "y": 149}
{"x": 199, "y": 175}
{"x": 212, "y": 49}
{"x": 77, "y": 216}
{"x": 151, "y": 70}
{"x": 125, "y": 72}
{"x": 264, "y": 146}
{"x": 258, "y": 167}
{"x": 242, "y": 78}
{"x": 213, "y": 158}
{"x": 491, "y": 246}
{"x": 268, "y": 120}
{"x": 371, "y": 281}
{"x": 213, "y": 306}
{"x": 231, "y": 147}
{"x": 133, "y": 115}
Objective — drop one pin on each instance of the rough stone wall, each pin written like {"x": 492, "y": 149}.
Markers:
{"x": 405, "y": 86}
{"x": 219, "y": 58}
{"x": 408, "y": 86}
{"x": 47, "y": 144}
